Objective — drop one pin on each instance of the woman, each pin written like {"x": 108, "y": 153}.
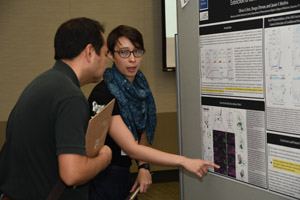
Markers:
{"x": 133, "y": 121}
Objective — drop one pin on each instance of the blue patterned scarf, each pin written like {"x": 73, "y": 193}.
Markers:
{"x": 135, "y": 100}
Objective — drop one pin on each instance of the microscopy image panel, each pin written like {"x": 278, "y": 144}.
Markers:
{"x": 224, "y": 152}
{"x": 220, "y": 151}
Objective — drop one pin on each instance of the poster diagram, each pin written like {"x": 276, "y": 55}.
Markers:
{"x": 217, "y": 64}
{"x": 224, "y": 133}
{"x": 282, "y": 63}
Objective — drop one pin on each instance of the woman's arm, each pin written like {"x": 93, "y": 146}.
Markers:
{"x": 123, "y": 137}
{"x": 143, "y": 178}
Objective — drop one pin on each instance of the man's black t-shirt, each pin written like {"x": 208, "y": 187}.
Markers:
{"x": 50, "y": 118}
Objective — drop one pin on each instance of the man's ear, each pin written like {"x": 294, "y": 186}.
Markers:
{"x": 88, "y": 51}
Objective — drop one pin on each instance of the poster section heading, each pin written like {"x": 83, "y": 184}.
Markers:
{"x": 234, "y": 138}
{"x": 239, "y": 9}
{"x": 233, "y": 103}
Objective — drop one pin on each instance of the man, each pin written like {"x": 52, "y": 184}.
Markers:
{"x": 45, "y": 138}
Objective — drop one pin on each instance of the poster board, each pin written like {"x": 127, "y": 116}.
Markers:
{"x": 241, "y": 97}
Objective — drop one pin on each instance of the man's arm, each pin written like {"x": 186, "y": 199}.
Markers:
{"x": 75, "y": 169}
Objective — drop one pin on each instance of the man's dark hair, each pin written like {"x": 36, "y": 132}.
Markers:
{"x": 74, "y": 35}
{"x": 129, "y": 32}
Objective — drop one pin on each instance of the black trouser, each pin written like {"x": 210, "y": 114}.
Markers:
{"x": 112, "y": 183}
{"x": 4, "y": 197}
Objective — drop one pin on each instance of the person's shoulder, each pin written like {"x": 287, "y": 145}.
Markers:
{"x": 101, "y": 94}
{"x": 53, "y": 80}
{"x": 100, "y": 87}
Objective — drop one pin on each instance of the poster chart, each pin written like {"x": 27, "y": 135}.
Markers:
{"x": 250, "y": 91}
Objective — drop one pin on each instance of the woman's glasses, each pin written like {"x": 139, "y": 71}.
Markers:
{"x": 126, "y": 53}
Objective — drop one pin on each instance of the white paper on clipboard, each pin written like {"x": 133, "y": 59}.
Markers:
{"x": 184, "y": 2}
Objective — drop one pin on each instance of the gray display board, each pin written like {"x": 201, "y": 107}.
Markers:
{"x": 232, "y": 86}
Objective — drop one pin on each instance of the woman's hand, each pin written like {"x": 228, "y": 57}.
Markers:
{"x": 143, "y": 179}
{"x": 198, "y": 166}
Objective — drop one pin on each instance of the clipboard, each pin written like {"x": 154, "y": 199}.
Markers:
{"x": 97, "y": 130}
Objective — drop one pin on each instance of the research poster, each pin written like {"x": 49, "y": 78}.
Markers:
{"x": 250, "y": 91}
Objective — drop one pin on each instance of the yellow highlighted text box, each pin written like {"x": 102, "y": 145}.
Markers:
{"x": 212, "y": 90}
{"x": 286, "y": 166}
{"x": 245, "y": 89}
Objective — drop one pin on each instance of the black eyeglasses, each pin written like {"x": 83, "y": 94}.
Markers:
{"x": 126, "y": 53}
